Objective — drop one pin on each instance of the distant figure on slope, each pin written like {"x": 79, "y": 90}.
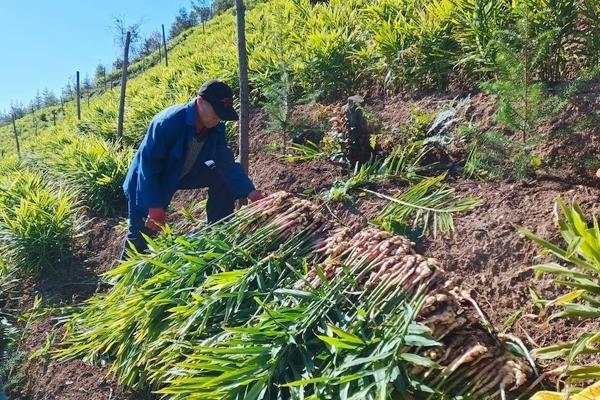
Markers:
{"x": 185, "y": 147}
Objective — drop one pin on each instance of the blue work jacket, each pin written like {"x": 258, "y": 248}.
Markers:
{"x": 153, "y": 176}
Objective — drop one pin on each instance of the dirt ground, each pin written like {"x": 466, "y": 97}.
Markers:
{"x": 485, "y": 253}
{"x": 489, "y": 257}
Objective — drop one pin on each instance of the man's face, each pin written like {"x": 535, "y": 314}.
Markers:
{"x": 206, "y": 113}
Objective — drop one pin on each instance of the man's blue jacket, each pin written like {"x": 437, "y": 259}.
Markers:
{"x": 153, "y": 176}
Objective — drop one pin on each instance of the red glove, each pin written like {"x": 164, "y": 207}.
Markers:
{"x": 255, "y": 196}
{"x": 156, "y": 219}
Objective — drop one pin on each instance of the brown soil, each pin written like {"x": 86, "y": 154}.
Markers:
{"x": 73, "y": 380}
{"x": 575, "y": 136}
{"x": 485, "y": 254}
{"x": 44, "y": 378}
{"x": 269, "y": 173}
{"x": 488, "y": 255}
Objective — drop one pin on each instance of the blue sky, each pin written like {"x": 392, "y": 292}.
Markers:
{"x": 44, "y": 42}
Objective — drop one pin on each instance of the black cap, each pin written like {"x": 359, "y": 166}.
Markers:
{"x": 220, "y": 97}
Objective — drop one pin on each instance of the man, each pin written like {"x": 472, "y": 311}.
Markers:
{"x": 185, "y": 147}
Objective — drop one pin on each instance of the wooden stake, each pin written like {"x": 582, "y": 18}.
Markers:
{"x": 78, "y": 98}
{"x": 165, "y": 46}
{"x": 123, "y": 87}
{"x": 104, "y": 76}
{"x": 16, "y": 136}
{"x": 244, "y": 103}
{"x": 34, "y": 120}
{"x": 525, "y": 130}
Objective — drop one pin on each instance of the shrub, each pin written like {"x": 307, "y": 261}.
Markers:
{"x": 37, "y": 223}
{"x": 494, "y": 155}
{"x": 94, "y": 167}
{"x": 9, "y": 164}
{"x": 8, "y": 335}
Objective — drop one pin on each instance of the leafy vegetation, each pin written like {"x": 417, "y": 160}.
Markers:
{"x": 424, "y": 206}
{"x": 93, "y": 167}
{"x": 250, "y": 309}
{"x": 8, "y": 333}
{"x": 577, "y": 271}
{"x": 403, "y": 163}
{"x": 523, "y": 103}
{"x": 202, "y": 271}
{"x": 269, "y": 305}
{"x": 37, "y": 223}
{"x": 304, "y": 152}
{"x": 493, "y": 155}
{"x": 588, "y": 393}
{"x": 7, "y": 336}
{"x": 335, "y": 48}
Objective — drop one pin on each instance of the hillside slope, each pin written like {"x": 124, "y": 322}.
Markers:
{"x": 413, "y": 61}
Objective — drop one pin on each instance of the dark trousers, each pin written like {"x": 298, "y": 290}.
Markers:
{"x": 2, "y": 396}
{"x": 220, "y": 204}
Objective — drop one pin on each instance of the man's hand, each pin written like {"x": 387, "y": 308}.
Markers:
{"x": 156, "y": 219}
{"x": 255, "y": 196}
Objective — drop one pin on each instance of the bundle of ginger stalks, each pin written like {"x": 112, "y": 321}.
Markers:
{"x": 474, "y": 361}
{"x": 279, "y": 302}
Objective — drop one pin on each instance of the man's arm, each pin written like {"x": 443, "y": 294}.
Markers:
{"x": 153, "y": 151}
{"x": 236, "y": 180}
